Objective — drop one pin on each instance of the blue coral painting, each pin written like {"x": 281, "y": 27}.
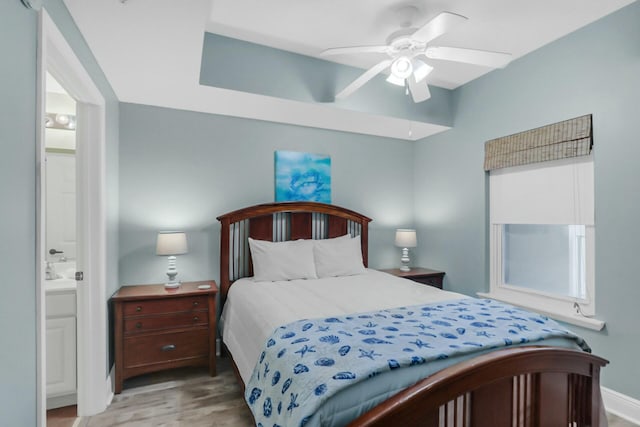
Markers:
{"x": 303, "y": 177}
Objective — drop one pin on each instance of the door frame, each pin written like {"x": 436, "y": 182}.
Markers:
{"x": 94, "y": 382}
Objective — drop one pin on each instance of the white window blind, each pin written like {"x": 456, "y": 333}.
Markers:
{"x": 557, "y": 192}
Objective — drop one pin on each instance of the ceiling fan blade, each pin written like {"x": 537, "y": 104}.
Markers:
{"x": 470, "y": 56}
{"x": 365, "y": 77}
{"x": 354, "y": 49}
{"x": 419, "y": 90}
{"x": 439, "y": 25}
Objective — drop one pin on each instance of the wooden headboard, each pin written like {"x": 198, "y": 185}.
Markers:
{"x": 279, "y": 222}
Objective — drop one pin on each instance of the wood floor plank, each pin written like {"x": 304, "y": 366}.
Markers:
{"x": 62, "y": 417}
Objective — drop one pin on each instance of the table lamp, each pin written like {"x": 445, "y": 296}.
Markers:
{"x": 171, "y": 243}
{"x": 405, "y": 239}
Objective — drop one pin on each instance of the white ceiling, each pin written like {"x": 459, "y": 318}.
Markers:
{"x": 150, "y": 50}
{"x": 512, "y": 26}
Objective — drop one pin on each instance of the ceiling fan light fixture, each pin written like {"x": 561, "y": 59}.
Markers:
{"x": 421, "y": 70}
{"x": 395, "y": 80}
{"x": 406, "y": 45}
{"x": 401, "y": 67}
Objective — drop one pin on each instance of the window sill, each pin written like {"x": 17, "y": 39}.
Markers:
{"x": 574, "y": 319}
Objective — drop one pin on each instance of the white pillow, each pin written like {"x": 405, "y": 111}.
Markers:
{"x": 290, "y": 260}
{"x": 341, "y": 256}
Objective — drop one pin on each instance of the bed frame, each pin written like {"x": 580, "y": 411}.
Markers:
{"x": 279, "y": 222}
{"x": 517, "y": 387}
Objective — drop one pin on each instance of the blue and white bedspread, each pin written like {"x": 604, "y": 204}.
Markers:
{"x": 307, "y": 361}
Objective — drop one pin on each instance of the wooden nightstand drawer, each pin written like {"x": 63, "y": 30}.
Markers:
{"x": 429, "y": 280}
{"x": 173, "y": 305}
{"x": 133, "y": 325}
{"x": 168, "y": 347}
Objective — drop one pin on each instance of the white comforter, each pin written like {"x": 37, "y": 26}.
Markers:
{"x": 255, "y": 309}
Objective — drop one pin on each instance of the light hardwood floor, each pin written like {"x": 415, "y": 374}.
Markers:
{"x": 181, "y": 397}
{"x": 62, "y": 417}
{"x": 189, "y": 397}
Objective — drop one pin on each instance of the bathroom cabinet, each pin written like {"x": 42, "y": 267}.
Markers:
{"x": 61, "y": 348}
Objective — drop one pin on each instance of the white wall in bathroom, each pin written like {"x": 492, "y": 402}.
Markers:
{"x": 61, "y": 176}
{"x": 61, "y": 204}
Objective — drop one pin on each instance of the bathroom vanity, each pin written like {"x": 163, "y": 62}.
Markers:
{"x": 61, "y": 346}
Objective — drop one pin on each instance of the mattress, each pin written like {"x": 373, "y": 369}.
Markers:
{"x": 253, "y": 310}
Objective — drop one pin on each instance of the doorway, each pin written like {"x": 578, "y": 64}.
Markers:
{"x": 60, "y": 248}
{"x": 94, "y": 388}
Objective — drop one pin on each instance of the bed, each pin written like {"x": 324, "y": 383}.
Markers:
{"x": 517, "y": 384}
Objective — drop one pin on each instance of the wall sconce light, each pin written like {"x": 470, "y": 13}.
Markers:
{"x": 60, "y": 121}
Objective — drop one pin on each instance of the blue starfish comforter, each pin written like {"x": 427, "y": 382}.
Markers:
{"x": 308, "y": 361}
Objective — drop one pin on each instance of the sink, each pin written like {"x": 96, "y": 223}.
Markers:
{"x": 64, "y": 270}
{"x": 65, "y": 273}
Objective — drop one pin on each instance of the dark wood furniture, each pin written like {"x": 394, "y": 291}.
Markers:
{"x": 426, "y": 276}
{"x": 157, "y": 328}
{"x": 524, "y": 387}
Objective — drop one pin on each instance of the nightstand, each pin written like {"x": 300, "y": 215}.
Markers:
{"x": 157, "y": 328}
{"x": 425, "y": 276}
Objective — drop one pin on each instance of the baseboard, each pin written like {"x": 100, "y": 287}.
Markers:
{"x": 621, "y": 405}
{"x": 61, "y": 401}
{"x": 110, "y": 387}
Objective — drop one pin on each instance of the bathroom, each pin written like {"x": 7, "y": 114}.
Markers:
{"x": 60, "y": 245}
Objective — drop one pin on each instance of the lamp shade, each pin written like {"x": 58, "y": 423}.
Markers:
{"x": 171, "y": 243}
{"x": 406, "y": 238}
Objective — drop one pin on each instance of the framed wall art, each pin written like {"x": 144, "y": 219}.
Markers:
{"x": 302, "y": 177}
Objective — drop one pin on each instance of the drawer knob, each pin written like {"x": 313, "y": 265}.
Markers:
{"x": 139, "y": 308}
{"x": 196, "y": 318}
{"x": 195, "y": 303}
{"x": 139, "y": 325}
{"x": 168, "y": 347}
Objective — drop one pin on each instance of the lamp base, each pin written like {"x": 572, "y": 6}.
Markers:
{"x": 405, "y": 260}
{"x": 172, "y": 272}
{"x": 172, "y": 285}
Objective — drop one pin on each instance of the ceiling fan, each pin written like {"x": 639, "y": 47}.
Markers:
{"x": 405, "y": 52}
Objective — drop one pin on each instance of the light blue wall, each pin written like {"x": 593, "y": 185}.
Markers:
{"x": 180, "y": 170}
{"x": 239, "y": 65}
{"x": 18, "y": 45}
{"x": 17, "y": 224}
{"x": 594, "y": 70}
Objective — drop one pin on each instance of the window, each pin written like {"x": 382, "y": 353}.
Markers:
{"x": 542, "y": 238}
{"x": 549, "y": 259}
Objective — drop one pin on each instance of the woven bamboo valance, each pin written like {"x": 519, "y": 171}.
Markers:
{"x": 571, "y": 138}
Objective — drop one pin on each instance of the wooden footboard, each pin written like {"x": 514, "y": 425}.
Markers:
{"x": 519, "y": 387}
